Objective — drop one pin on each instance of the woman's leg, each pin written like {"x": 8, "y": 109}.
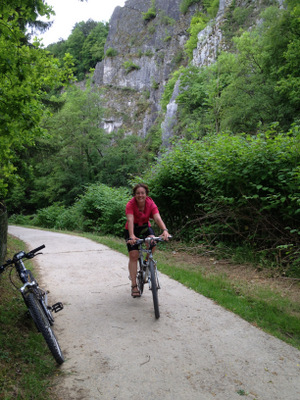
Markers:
{"x": 132, "y": 266}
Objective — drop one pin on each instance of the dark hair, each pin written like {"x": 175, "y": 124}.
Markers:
{"x": 138, "y": 186}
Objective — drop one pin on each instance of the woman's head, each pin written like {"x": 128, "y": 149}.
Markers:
{"x": 140, "y": 185}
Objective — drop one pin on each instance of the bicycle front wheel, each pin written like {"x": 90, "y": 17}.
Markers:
{"x": 43, "y": 325}
{"x": 140, "y": 279}
{"x": 154, "y": 288}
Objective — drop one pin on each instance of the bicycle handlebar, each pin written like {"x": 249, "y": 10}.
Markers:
{"x": 31, "y": 253}
{"x": 19, "y": 256}
{"x": 150, "y": 239}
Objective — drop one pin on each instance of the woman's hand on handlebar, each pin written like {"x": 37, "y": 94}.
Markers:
{"x": 132, "y": 239}
{"x": 165, "y": 235}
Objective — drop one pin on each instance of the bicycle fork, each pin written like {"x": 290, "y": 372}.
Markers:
{"x": 155, "y": 274}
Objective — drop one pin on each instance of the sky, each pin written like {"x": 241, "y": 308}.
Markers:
{"x": 69, "y": 12}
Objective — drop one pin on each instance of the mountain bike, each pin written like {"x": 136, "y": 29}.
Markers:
{"x": 147, "y": 270}
{"x": 35, "y": 299}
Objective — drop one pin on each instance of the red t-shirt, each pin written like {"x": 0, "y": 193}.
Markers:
{"x": 141, "y": 217}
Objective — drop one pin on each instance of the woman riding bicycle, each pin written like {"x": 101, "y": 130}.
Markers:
{"x": 138, "y": 212}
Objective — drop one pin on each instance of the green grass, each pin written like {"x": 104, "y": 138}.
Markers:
{"x": 262, "y": 307}
{"x": 26, "y": 365}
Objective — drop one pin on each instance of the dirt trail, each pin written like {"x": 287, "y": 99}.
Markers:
{"x": 115, "y": 349}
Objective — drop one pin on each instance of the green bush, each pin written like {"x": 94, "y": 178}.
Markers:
{"x": 234, "y": 189}
{"x": 47, "y": 217}
{"x": 151, "y": 13}
{"x": 111, "y": 52}
{"x": 130, "y": 66}
{"x": 169, "y": 88}
{"x": 102, "y": 209}
{"x": 185, "y": 4}
{"x": 198, "y": 23}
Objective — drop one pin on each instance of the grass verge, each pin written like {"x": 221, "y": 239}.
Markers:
{"x": 271, "y": 310}
{"x": 26, "y": 365}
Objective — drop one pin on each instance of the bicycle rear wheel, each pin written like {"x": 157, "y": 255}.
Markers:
{"x": 43, "y": 325}
{"x": 154, "y": 288}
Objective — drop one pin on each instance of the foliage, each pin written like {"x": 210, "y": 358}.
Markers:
{"x": 151, "y": 13}
{"x": 185, "y": 4}
{"x": 103, "y": 209}
{"x": 249, "y": 89}
{"x": 199, "y": 99}
{"x": 169, "y": 88}
{"x": 124, "y": 157}
{"x": 74, "y": 153}
{"x": 111, "y": 52}
{"x": 240, "y": 189}
{"x": 130, "y": 66}
{"x": 198, "y": 23}
{"x": 27, "y": 74}
{"x": 99, "y": 209}
{"x": 65, "y": 159}
{"x": 85, "y": 44}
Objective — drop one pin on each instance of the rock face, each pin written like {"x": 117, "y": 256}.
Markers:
{"x": 141, "y": 55}
{"x": 144, "y": 46}
{"x": 210, "y": 40}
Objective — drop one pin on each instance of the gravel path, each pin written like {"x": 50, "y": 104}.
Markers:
{"x": 116, "y": 349}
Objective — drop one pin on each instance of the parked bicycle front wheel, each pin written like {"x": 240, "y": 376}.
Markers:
{"x": 43, "y": 325}
{"x": 154, "y": 288}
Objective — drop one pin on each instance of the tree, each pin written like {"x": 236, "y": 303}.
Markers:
{"x": 67, "y": 159}
{"x": 26, "y": 73}
{"x": 85, "y": 44}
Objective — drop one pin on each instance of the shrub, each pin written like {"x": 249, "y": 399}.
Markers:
{"x": 130, "y": 66}
{"x": 169, "y": 88}
{"x": 47, "y": 217}
{"x": 151, "y": 13}
{"x": 102, "y": 209}
{"x": 185, "y": 4}
{"x": 110, "y": 52}
{"x": 198, "y": 23}
{"x": 234, "y": 189}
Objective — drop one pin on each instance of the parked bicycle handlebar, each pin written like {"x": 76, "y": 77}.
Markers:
{"x": 19, "y": 256}
{"x": 31, "y": 253}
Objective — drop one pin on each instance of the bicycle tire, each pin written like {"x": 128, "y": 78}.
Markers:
{"x": 43, "y": 325}
{"x": 140, "y": 280}
{"x": 154, "y": 288}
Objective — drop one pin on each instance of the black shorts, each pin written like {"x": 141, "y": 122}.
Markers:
{"x": 141, "y": 232}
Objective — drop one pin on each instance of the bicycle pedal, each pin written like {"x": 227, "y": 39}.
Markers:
{"x": 57, "y": 307}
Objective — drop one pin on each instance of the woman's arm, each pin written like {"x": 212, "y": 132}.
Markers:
{"x": 158, "y": 220}
{"x": 130, "y": 220}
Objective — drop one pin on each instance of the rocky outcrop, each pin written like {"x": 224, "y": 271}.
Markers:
{"x": 140, "y": 56}
{"x": 210, "y": 39}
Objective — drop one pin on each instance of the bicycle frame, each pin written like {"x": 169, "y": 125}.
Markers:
{"x": 148, "y": 270}
{"x": 31, "y": 285}
{"x": 36, "y": 301}
{"x": 142, "y": 266}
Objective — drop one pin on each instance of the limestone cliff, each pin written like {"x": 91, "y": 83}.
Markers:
{"x": 145, "y": 45}
{"x": 141, "y": 55}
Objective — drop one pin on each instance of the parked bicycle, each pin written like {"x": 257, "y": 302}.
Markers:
{"x": 147, "y": 269}
{"x": 35, "y": 299}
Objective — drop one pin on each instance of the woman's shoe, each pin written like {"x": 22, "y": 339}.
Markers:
{"x": 135, "y": 291}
